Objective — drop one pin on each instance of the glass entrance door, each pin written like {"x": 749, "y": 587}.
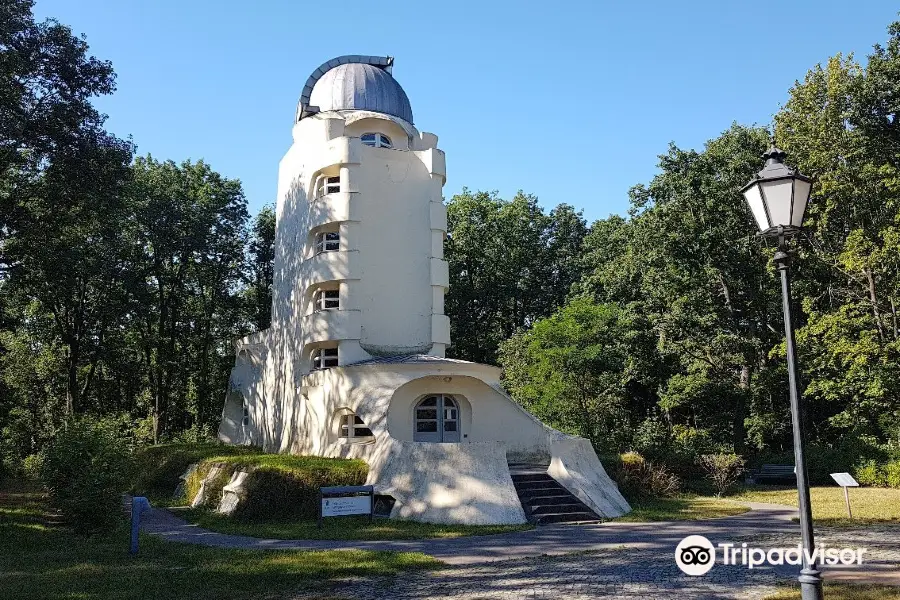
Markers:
{"x": 437, "y": 419}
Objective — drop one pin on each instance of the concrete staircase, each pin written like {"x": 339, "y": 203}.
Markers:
{"x": 546, "y": 501}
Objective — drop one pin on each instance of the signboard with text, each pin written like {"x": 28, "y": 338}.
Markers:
{"x": 350, "y": 505}
{"x": 844, "y": 480}
{"x": 340, "y": 501}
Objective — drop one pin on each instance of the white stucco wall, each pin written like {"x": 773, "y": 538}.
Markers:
{"x": 390, "y": 269}
{"x": 420, "y": 475}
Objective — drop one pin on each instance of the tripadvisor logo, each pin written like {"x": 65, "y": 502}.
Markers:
{"x": 696, "y": 555}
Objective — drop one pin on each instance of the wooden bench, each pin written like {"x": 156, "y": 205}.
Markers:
{"x": 774, "y": 473}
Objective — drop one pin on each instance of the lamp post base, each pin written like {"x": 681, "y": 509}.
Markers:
{"x": 810, "y": 584}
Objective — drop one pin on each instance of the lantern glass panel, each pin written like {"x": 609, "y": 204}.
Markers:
{"x": 755, "y": 201}
{"x": 777, "y": 195}
{"x": 801, "y": 196}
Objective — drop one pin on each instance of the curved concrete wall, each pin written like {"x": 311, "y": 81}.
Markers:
{"x": 442, "y": 483}
{"x": 299, "y": 416}
{"x": 392, "y": 224}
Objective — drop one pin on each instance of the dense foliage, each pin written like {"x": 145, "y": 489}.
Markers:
{"x": 694, "y": 361}
{"x": 123, "y": 280}
{"x": 85, "y": 469}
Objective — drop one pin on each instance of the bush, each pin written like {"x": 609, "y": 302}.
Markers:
{"x": 32, "y": 466}
{"x": 639, "y": 479}
{"x": 892, "y": 474}
{"x": 279, "y": 486}
{"x": 85, "y": 471}
{"x": 722, "y": 470}
{"x": 870, "y": 473}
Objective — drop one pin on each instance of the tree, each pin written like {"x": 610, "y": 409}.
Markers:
{"x": 191, "y": 224}
{"x": 510, "y": 264}
{"x": 840, "y": 125}
{"x": 261, "y": 267}
{"x": 569, "y": 370}
{"x": 47, "y": 81}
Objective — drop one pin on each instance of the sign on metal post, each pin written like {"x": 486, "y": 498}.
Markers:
{"x": 139, "y": 505}
{"x": 339, "y": 501}
{"x": 845, "y": 480}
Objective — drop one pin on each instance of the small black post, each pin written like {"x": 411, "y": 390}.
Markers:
{"x": 320, "y": 508}
{"x": 810, "y": 577}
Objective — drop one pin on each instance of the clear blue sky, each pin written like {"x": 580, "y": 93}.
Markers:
{"x": 571, "y": 101}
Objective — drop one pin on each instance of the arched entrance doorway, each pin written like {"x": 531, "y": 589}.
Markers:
{"x": 437, "y": 419}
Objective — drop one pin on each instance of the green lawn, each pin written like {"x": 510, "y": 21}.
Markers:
{"x": 843, "y": 591}
{"x": 682, "y": 508}
{"x": 340, "y": 528}
{"x": 870, "y": 505}
{"x": 42, "y": 560}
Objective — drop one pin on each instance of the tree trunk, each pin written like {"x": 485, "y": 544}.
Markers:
{"x": 739, "y": 430}
{"x": 873, "y": 299}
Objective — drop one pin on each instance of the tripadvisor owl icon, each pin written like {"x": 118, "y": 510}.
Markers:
{"x": 695, "y": 555}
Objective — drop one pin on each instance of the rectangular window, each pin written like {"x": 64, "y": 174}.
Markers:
{"x": 328, "y": 242}
{"x": 325, "y": 357}
{"x": 328, "y": 185}
{"x": 328, "y": 300}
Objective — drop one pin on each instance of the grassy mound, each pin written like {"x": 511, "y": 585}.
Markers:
{"x": 158, "y": 468}
{"x": 279, "y": 486}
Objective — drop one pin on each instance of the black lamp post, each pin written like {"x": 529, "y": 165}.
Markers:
{"x": 777, "y": 196}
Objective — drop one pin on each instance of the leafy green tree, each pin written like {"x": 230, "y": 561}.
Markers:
{"x": 840, "y": 126}
{"x": 569, "y": 370}
{"x": 47, "y": 80}
{"x": 510, "y": 264}
{"x": 191, "y": 226}
{"x": 261, "y": 265}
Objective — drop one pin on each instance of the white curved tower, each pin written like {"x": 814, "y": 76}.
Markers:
{"x": 353, "y": 364}
{"x": 359, "y": 269}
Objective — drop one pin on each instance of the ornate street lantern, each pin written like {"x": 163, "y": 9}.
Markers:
{"x": 777, "y": 196}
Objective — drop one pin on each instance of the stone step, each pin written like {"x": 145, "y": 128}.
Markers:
{"x": 575, "y": 517}
{"x": 523, "y": 477}
{"x": 549, "y": 509}
{"x": 545, "y": 501}
{"x": 537, "y": 485}
{"x": 548, "y": 499}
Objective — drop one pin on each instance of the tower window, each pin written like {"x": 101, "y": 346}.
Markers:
{"x": 328, "y": 242}
{"x": 327, "y": 185}
{"x": 328, "y": 299}
{"x": 353, "y": 427}
{"x": 376, "y": 140}
{"x": 322, "y": 358}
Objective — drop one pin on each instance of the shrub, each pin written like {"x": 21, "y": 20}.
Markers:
{"x": 32, "y": 465}
{"x": 651, "y": 439}
{"x": 870, "y": 473}
{"x": 85, "y": 470}
{"x": 722, "y": 470}
{"x": 892, "y": 474}
{"x": 639, "y": 479}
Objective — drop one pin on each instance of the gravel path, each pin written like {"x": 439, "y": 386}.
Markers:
{"x": 574, "y": 562}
